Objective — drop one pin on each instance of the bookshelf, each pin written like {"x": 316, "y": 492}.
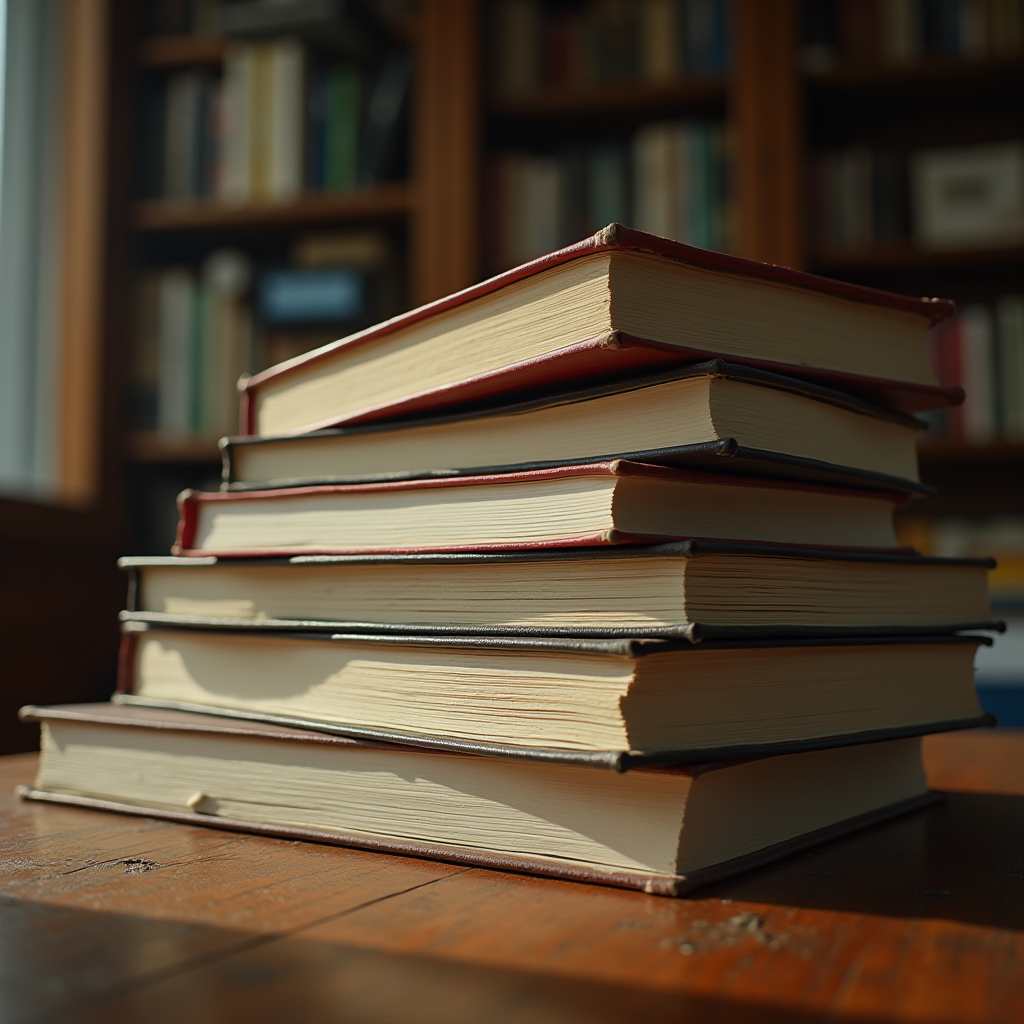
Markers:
{"x": 778, "y": 112}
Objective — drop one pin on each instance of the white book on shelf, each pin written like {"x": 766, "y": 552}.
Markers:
{"x": 287, "y": 75}
{"x": 235, "y": 184}
{"x": 1010, "y": 335}
{"x": 182, "y": 134}
{"x": 226, "y": 274}
{"x": 978, "y": 353}
{"x": 177, "y": 321}
{"x": 653, "y": 172}
{"x": 969, "y": 196}
{"x": 541, "y": 206}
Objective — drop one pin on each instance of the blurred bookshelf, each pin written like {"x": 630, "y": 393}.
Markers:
{"x": 803, "y": 134}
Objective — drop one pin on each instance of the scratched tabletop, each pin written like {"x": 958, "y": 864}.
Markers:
{"x": 107, "y": 918}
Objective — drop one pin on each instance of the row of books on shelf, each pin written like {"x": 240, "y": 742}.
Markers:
{"x": 278, "y": 122}
{"x": 536, "y": 45}
{"x": 982, "y": 349}
{"x": 670, "y": 178}
{"x": 904, "y": 31}
{"x": 949, "y": 198}
{"x": 199, "y": 329}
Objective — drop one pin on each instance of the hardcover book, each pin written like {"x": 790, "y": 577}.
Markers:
{"x": 713, "y": 415}
{"x": 610, "y": 701}
{"x": 694, "y": 589}
{"x": 621, "y": 302}
{"x": 663, "y": 831}
{"x": 570, "y": 506}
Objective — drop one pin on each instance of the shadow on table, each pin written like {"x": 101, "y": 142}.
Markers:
{"x": 962, "y": 860}
{"x": 73, "y": 965}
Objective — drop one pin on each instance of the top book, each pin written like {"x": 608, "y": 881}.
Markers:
{"x": 618, "y": 303}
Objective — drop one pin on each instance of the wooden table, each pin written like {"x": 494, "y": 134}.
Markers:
{"x": 129, "y": 919}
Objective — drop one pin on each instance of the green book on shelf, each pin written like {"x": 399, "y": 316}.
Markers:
{"x": 342, "y": 128}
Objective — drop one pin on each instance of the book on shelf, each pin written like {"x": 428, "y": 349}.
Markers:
{"x": 662, "y": 831}
{"x": 616, "y": 702}
{"x": 567, "y": 506}
{"x": 859, "y": 199}
{"x": 617, "y": 303}
{"x": 534, "y": 46}
{"x": 670, "y": 178}
{"x": 982, "y": 350}
{"x": 194, "y": 340}
{"x": 706, "y": 416}
{"x": 696, "y": 590}
{"x": 904, "y": 32}
{"x": 969, "y": 196}
{"x": 282, "y": 119}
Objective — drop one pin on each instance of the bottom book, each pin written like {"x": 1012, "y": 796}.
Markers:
{"x": 662, "y": 830}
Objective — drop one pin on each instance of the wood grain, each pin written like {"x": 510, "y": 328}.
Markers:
{"x": 921, "y": 919}
{"x": 976, "y": 761}
{"x": 767, "y": 121}
{"x": 444, "y": 244}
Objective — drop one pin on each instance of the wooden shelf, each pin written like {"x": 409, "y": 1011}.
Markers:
{"x": 155, "y": 449}
{"x": 382, "y": 201}
{"x": 946, "y": 452}
{"x": 639, "y": 97}
{"x": 908, "y": 256}
{"x": 926, "y": 73}
{"x": 181, "y": 51}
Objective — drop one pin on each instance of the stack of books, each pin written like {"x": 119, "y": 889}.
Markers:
{"x": 588, "y": 570}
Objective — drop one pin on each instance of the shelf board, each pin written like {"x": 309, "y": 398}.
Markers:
{"x": 382, "y": 201}
{"x": 619, "y": 97}
{"x": 924, "y": 73}
{"x": 943, "y": 452}
{"x": 181, "y": 51}
{"x": 908, "y": 256}
{"x": 154, "y": 449}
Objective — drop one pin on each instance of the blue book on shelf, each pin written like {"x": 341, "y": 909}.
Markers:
{"x": 311, "y": 296}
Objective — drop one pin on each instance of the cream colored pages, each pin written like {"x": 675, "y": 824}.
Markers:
{"x": 563, "y": 813}
{"x": 525, "y": 319}
{"x": 736, "y": 811}
{"x": 667, "y": 415}
{"x": 658, "y": 298}
{"x": 568, "y": 701}
{"x": 644, "y": 295}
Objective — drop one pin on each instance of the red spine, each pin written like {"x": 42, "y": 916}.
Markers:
{"x": 126, "y": 662}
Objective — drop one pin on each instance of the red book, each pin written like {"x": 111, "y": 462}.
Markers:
{"x": 570, "y": 506}
{"x": 621, "y": 302}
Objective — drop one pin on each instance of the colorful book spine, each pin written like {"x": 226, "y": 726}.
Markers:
{"x": 567, "y": 46}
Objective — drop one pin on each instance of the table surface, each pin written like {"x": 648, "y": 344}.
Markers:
{"x": 130, "y": 919}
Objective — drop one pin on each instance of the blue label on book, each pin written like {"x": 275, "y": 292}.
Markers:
{"x": 309, "y": 296}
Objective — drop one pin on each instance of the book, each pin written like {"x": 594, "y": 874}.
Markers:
{"x": 661, "y": 831}
{"x": 1010, "y": 331}
{"x": 711, "y": 415}
{"x": 285, "y": 112}
{"x": 696, "y": 590}
{"x": 569, "y": 506}
{"x": 303, "y": 296}
{"x": 620, "y": 700}
{"x": 619, "y": 302}
{"x": 980, "y": 377}
{"x": 177, "y": 316}
{"x": 969, "y": 196}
